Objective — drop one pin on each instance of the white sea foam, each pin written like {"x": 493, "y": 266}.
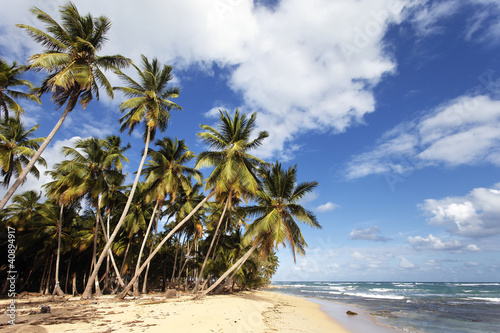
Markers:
{"x": 387, "y": 296}
{"x": 381, "y": 290}
{"x": 403, "y": 284}
{"x": 488, "y": 299}
{"x": 475, "y": 284}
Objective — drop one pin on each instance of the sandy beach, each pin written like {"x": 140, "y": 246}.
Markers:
{"x": 255, "y": 311}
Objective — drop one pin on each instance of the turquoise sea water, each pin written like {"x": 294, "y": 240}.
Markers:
{"x": 414, "y": 307}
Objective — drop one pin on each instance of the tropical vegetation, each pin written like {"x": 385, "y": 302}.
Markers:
{"x": 89, "y": 230}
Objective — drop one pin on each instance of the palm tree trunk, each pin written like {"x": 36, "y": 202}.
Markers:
{"x": 20, "y": 180}
{"x": 43, "y": 275}
{"x": 57, "y": 288}
{"x": 73, "y": 286}
{"x": 172, "y": 278}
{"x": 88, "y": 288}
{"x": 145, "y": 283}
{"x": 136, "y": 285}
{"x": 190, "y": 246}
{"x": 222, "y": 285}
{"x": 110, "y": 255}
{"x": 95, "y": 278}
{"x": 159, "y": 246}
{"x": 49, "y": 274}
{"x": 122, "y": 269}
{"x": 67, "y": 276}
{"x": 241, "y": 261}
{"x": 195, "y": 289}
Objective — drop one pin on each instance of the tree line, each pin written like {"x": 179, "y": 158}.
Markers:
{"x": 87, "y": 231}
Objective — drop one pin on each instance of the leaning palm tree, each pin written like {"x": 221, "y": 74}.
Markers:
{"x": 22, "y": 210}
{"x": 73, "y": 66}
{"x": 16, "y": 148}
{"x": 92, "y": 161}
{"x": 55, "y": 191}
{"x": 235, "y": 169}
{"x": 10, "y": 76}
{"x": 234, "y": 175}
{"x": 277, "y": 211}
{"x": 166, "y": 175}
{"x": 149, "y": 104}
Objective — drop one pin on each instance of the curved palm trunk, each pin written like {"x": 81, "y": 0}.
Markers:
{"x": 177, "y": 281}
{"x": 220, "y": 288}
{"x": 122, "y": 269}
{"x": 20, "y": 180}
{"x": 95, "y": 280}
{"x": 177, "y": 246}
{"x": 136, "y": 285}
{"x": 197, "y": 285}
{"x": 145, "y": 283}
{"x": 110, "y": 255}
{"x": 57, "y": 288}
{"x": 231, "y": 269}
{"x": 88, "y": 288}
{"x": 159, "y": 246}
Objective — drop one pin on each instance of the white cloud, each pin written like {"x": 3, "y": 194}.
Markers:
{"x": 476, "y": 214}
{"x": 405, "y": 263}
{"x": 304, "y": 65}
{"x": 434, "y": 243}
{"x": 484, "y": 26}
{"x": 358, "y": 256}
{"x": 461, "y": 131}
{"x": 429, "y": 14}
{"x": 483, "y": 23}
{"x": 328, "y": 207}
{"x": 371, "y": 233}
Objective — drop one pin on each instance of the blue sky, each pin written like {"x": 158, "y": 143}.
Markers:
{"x": 392, "y": 106}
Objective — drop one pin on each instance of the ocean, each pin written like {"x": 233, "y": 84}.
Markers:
{"x": 414, "y": 307}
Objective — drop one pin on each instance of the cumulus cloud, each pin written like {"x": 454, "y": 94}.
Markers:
{"x": 435, "y": 243}
{"x": 371, "y": 233}
{"x": 328, "y": 207}
{"x": 463, "y": 131}
{"x": 477, "y": 214}
{"x": 303, "y": 65}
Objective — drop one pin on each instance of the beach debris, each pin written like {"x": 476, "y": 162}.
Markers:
{"x": 44, "y": 308}
{"x": 170, "y": 293}
{"x": 350, "y": 313}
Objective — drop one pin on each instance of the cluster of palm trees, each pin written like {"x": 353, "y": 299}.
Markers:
{"x": 216, "y": 231}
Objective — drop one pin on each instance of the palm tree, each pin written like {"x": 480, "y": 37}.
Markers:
{"x": 10, "y": 76}
{"x": 234, "y": 174}
{"x": 234, "y": 168}
{"x": 22, "y": 210}
{"x": 55, "y": 190}
{"x": 86, "y": 174}
{"x": 166, "y": 175}
{"x": 16, "y": 148}
{"x": 185, "y": 203}
{"x": 149, "y": 103}
{"x": 73, "y": 66}
{"x": 277, "y": 211}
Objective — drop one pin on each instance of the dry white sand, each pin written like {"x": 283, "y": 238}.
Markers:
{"x": 256, "y": 311}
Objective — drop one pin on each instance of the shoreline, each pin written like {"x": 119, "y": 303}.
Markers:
{"x": 253, "y": 311}
{"x": 363, "y": 322}
{"x": 250, "y": 311}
